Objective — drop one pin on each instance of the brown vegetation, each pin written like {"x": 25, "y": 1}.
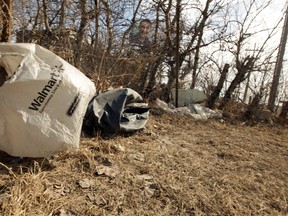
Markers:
{"x": 175, "y": 166}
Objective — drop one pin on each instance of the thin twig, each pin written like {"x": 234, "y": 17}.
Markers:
{"x": 9, "y": 169}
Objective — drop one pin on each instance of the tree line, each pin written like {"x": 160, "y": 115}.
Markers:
{"x": 218, "y": 47}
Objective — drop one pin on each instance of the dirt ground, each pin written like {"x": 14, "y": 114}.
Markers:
{"x": 175, "y": 166}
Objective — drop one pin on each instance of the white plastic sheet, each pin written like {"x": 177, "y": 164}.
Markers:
{"x": 42, "y": 102}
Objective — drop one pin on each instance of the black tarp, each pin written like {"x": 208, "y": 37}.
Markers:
{"x": 117, "y": 110}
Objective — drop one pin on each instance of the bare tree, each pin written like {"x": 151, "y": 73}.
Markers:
{"x": 92, "y": 35}
{"x": 246, "y": 63}
{"x": 194, "y": 41}
{"x": 243, "y": 67}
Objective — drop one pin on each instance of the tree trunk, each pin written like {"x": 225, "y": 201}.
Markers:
{"x": 284, "y": 112}
{"x": 6, "y": 6}
{"x": 217, "y": 90}
{"x": 97, "y": 13}
{"x": 37, "y": 17}
{"x": 167, "y": 22}
{"x": 242, "y": 69}
{"x": 108, "y": 26}
{"x": 278, "y": 66}
{"x": 62, "y": 15}
{"x": 247, "y": 87}
{"x": 253, "y": 107}
{"x": 177, "y": 54}
{"x": 143, "y": 79}
{"x": 81, "y": 32}
{"x": 171, "y": 75}
{"x": 200, "y": 32}
{"x": 153, "y": 70}
{"x": 46, "y": 17}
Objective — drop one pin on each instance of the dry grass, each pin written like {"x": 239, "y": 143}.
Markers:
{"x": 175, "y": 166}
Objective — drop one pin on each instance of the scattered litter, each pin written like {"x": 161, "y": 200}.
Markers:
{"x": 188, "y": 96}
{"x": 204, "y": 112}
{"x": 182, "y": 111}
{"x": 197, "y": 111}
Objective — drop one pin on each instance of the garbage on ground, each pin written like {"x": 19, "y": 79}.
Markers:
{"x": 195, "y": 110}
{"x": 116, "y": 110}
{"x": 188, "y": 96}
{"x": 204, "y": 112}
{"x": 43, "y": 101}
{"x": 264, "y": 114}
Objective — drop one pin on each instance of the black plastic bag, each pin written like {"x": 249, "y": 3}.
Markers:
{"x": 117, "y": 110}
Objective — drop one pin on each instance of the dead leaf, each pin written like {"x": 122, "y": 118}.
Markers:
{"x": 63, "y": 212}
{"x": 151, "y": 190}
{"x": 144, "y": 177}
{"x": 107, "y": 171}
{"x": 100, "y": 201}
{"x": 85, "y": 183}
{"x": 138, "y": 156}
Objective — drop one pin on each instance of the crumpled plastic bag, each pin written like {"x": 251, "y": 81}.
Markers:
{"x": 116, "y": 110}
{"x": 43, "y": 101}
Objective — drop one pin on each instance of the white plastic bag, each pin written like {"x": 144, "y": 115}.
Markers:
{"x": 42, "y": 102}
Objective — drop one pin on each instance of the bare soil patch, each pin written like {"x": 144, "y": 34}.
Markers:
{"x": 175, "y": 166}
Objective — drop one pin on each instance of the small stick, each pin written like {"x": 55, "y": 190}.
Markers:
{"x": 9, "y": 169}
